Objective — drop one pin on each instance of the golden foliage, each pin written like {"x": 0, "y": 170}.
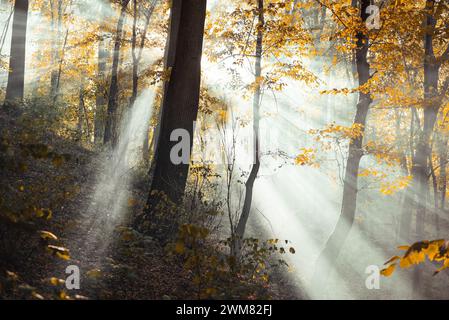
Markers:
{"x": 435, "y": 250}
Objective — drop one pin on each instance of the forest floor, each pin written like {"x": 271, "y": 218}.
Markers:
{"x": 46, "y": 183}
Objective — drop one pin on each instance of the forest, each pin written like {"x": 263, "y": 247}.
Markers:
{"x": 224, "y": 150}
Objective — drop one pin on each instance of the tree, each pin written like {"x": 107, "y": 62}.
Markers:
{"x": 137, "y": 52}
{"x": 101, "y": 95}
{"x": 180, "y": 103}
{"x": 109, "y": 132}
{"x": 336, "y": 240}
{"x": 169, "y": 60}
{"x": 432, "y": 67}
{"x": 16, "y": 75}
{"x": 249, "y": 185}
{"x": 259, "y": 32}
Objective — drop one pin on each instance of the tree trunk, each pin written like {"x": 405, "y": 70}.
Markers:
{"x": 16, "y": 75}
{"x": 81, "y": 112}
{"x": 442, "y": 157}
{"x": 137, "y": 54}
{"x": 110, "y": 134}
{"x": 56, "y": 25}
{"x": 334, "y": 244}
{"x": 409, "y": 198}
{"x": 249, "y": 185}
{"x": 423, "y": 152}
{"x": 443, "y": 172}
{"x": 135, "y": 76}
{"x": 169, "y": 61}
{"x": 100, "y": 99}
{"x": 180, "y": 105}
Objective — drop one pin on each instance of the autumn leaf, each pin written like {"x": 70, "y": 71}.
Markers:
{"x": 55, "y": 281}
{"x": 388, "y": 271}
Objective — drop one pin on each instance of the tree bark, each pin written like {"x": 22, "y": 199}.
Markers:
{"x": 180, "y": 105}
{"x": 169, "y": 61}
{"x": 81, "y": 112}
{"x": 16, "y": 75}
{"x": 135, "y": 75}
{"x": 110, "y": 134}
{"x": 100, "y": 99}
{"x": 334, "y": 244}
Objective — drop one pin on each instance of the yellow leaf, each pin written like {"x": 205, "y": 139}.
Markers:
{"x": 55, "y": 281}
{"x": 405, "y": 263}
{"x": 388, "y": 271}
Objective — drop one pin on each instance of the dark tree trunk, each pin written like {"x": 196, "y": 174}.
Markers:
{"x": 135, "y": 75}
{"x": 180, "y": 104}
{"x": 249, "y": 185}
{"x": 56, "y": 25}
{"x": 16, "y": 75}
{"x": 110, "y": 134}
{"x": 100, "y": 99}
{"x": 169, "y": 61}
{"x": 336, "y": 241}
{"x": 81, "y": 113}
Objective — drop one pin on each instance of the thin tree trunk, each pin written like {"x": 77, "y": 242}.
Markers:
{"x": 334, "y": 244}
{"x": 16, "y": 75}
{"x": 404, "y": 169}
{"x": 61, "y": 61}
{"x": 442, "y": 158}
{"x": 137, "y": 54}
{"x": 81, "y": 112}
{"x": 56, "y": 26}
{"x": 409, "y": 198}
{"x": 443, "y": 172}
{"x": 100, "y": 99}
{"x": 109, "y": 133}
{"x": 249, "y": 185}
{"x": 135, "y": 76}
